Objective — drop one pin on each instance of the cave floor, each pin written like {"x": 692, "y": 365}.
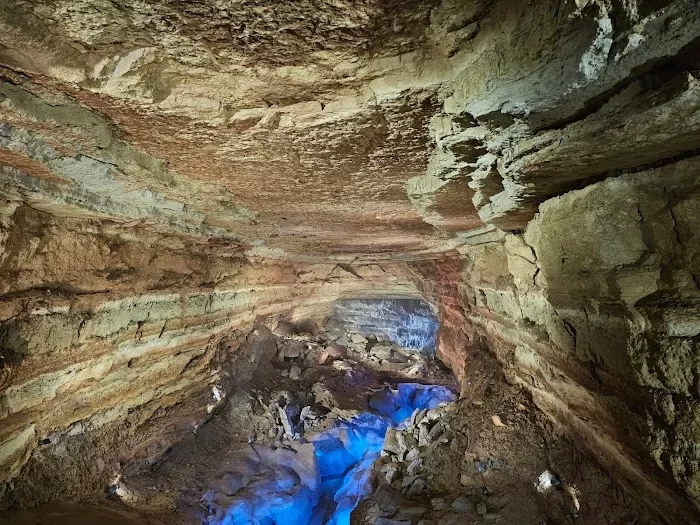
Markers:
{"x": 490, "y": 457}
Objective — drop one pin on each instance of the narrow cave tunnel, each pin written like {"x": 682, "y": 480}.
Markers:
{"x": 350, "y": 262}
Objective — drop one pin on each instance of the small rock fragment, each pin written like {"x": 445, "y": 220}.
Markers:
{"x": 336, "y": 351}
{"x": 412, "y": 454}
{"x": 390, "y": 472}
{"x": 414, "y": 467}
{"x": 391, "y": 443}
{"x": 293, "y": 349}
{"x": 286, "y": 424}
{"x": 497, "y": 421}
{"x": 358, "y": 339}
{"x": 439, "y": 504}
{"x": 435, "y": 433}
{"x": 408, "y": 480}
{"x": 423, "y": 435}
{"x": 462, "y": 504}
{"x": 406, "y": 442}
{"x": 546, "y": 481}
{"x": 417, "y": 487}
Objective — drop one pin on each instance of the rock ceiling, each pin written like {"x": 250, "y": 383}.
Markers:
{"x": 336, "y": 129}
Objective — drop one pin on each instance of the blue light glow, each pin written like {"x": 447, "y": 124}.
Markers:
{"x": 320, "y": 482}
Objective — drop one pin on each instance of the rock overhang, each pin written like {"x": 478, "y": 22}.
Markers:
{"x": 371, "y": 130}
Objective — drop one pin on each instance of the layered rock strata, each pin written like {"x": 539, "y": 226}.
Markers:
{"x": 172, "y": 171}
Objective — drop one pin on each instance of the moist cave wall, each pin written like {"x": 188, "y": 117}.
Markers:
{"x": 176, "y": 180}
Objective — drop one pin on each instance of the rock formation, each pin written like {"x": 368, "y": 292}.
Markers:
{"x": 173, "y": 173}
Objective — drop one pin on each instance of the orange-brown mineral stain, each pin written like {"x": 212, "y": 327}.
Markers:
{"x": 29, "y": 166}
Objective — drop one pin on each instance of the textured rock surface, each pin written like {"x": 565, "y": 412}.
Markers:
{"x": 410, "y": 323}
{"x": 115, "y": 325}
{"x": 381, "y": 119}
{"x": 594, "y": 310}
{"x": 173, "y": 171}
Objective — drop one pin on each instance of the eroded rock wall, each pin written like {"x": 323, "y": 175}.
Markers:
{"x": 594, "y": 309}
{"x": 124, "y": 339}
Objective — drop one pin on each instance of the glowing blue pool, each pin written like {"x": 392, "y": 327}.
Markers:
{"x": 320, "y": 482}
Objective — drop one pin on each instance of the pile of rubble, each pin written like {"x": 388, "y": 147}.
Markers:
{"x": 390, "y": 507}
{"x": 298, "y": 352}
{"x": 405, "y": 448}
{"x": 289, "y": 416}
{"x": 306, "y": 361}
{"x": 384, "y": 355}
{"x": 403, "y": 481}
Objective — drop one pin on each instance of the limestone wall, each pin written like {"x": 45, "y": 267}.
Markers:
{"x": 126, "y": 341}
{"x": 595, "y": 310}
